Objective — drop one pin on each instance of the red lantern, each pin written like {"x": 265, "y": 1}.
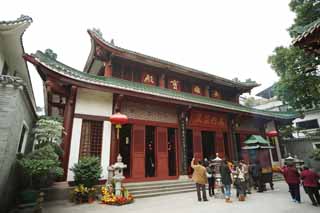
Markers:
{"x": 272, "y": 133}
{"x": 118, "y": 119}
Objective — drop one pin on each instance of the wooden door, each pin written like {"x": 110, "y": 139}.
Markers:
{"x": 219, "y": 144}
{"x": 162, "y": 152}
{"x": 138, "y": 151}
{"x": 197, "y": 144}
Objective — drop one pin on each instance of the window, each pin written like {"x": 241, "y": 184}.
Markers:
{"x": 311, "y": 124}
{"x": 316, "y": 145}
{"x": 91, "y": 138}
{"x": 23, "y": 139}
{"x": 5, "y": 69}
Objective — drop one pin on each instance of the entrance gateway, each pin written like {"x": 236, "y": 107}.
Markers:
{"x": 174, "y": 112}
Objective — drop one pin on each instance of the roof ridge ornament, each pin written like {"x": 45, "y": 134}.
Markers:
{"x": 97, "y": 31}
{"x": 50, "y": 54}
{"x": 112, "y": 42}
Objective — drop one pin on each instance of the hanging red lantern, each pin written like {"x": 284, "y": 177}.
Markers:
{"x": 272, "y": 133}
{"x": 118, "y": 119}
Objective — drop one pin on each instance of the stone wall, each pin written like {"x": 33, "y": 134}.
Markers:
{"x": 15, "y": 111}
{"x": 302, "y": 147}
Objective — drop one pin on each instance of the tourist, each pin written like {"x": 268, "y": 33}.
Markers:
{"x": 211, "y": 179}
{"x": 246, "y": 176}
{"x": 292, "y": 177}
{"x": 310, "y": 183}
{"x": 226, "y": 180}
{"x": 199, "y": 176}
{"x": 240, "y": 182}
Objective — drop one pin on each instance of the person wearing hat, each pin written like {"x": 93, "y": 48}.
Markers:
{"x": 292, "y": 177}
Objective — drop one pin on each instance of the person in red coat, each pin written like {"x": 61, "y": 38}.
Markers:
{"x": 310, "y": 183}
{"x": 292, "y": 177}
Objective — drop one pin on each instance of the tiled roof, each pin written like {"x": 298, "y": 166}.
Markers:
{"x": 21, "y": 19}
{"x": 97, "y": 34}
{"x": 115, "y": 83}
{"x": 308, "y": 30}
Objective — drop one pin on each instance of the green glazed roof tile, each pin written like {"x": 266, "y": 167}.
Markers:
{"x": 116, "y": 83}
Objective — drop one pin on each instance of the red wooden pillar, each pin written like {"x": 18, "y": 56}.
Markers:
{"x": 67, "y": 124}
{"x": 197, "y": 144}
{"x": 219, "y": 144}
{"x": 162, "y": 82}
{"x": 245, "y": 154}
{"x": 108, "y": 69}
{"x": 206, "y": 91}
{"x": 114, "y": 146}
{"x": 162, "y": 152}
{"x": 138, "y": 151}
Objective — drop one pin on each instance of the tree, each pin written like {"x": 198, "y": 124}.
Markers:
{"x": 299, "y": 84}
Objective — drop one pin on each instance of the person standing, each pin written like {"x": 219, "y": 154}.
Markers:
{"x": 240, "y": 182}
{"x": 226, "y": 180}
{"x": 211, "y": 179}
{"x": 256, "y": 176}
{"x": 199, "y": 176}
{"x": 310, "y": 183}
{"x": 246, "y": 176}
{"x": 292, "y": 177}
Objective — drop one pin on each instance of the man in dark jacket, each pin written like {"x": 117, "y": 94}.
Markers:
{"x": 256, "y": 176}
{"x": 292, "y": 177}
{"x": 226, "y": 180}
{"x": 310, "y": 183}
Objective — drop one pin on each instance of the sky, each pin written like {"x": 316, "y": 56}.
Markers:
{"x": 229, "y": 38}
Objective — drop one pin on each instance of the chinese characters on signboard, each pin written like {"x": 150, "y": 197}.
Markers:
{"x": 196, "y": 90}
{"x": 148, "y": 78}
{"x": 208, "y": 119}
{"x": 174, "y": 84}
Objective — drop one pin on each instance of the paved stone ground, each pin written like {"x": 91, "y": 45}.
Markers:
{"x": 277, "y": 201}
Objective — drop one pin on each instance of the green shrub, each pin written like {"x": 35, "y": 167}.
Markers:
{"x": 42, "y": 167}
{"x": 87, "y": 171}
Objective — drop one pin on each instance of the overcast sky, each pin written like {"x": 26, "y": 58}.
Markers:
{"x": 228, "y": 38}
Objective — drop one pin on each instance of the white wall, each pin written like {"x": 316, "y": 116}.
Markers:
{"x": 309, "y": 116}
{"x": 91, "y": 102}
{"x": 106, "y": 144}
{"x": 75, "y": 145}
{"x": 1, "y": 57}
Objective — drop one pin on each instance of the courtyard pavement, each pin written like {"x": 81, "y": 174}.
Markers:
{"x": 277, "y": 201}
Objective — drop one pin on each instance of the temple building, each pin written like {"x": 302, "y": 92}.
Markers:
{"x": 174, "y": 112}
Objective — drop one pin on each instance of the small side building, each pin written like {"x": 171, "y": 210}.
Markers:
{"x": 17, "y": 105}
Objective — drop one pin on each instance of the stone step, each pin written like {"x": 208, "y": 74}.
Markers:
{"x": 153, "y": 187}
{"x": 157, "y": 183}
{"x": 154, "y": 194}
{"x": 161, "y": 189}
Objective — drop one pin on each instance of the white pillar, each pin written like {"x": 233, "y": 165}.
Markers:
{"x": 75, "y": 146}
{"x": 270, "y": 151}
{"x": 106, "y": 146}
{"x": 278, "y": 150}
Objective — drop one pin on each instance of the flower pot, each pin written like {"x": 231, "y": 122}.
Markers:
{"x": 91, "y": 199}
{"x": 28, "y": 196}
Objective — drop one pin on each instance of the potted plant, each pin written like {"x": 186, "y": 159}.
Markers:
{"x": 86, "y": 174}
{"x": 87, "y": 171}
{"x": 91, "y": 194}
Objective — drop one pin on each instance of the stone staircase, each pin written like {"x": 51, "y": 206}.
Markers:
{"x": 61, "y": 190}
{"x": 158, "y": 188}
